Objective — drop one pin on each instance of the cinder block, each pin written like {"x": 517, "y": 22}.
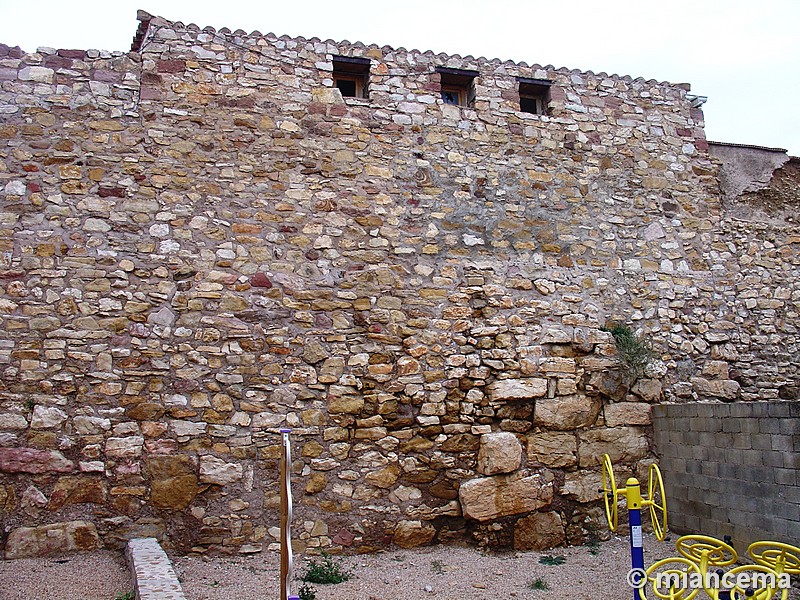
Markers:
{"x": 790, "y": 426}
{"x": 794, "y": 408}
{"x": 761, "y": 441}
{"x": 752, "y": 458}
{"x": 772, "y": 459}
{"x": 782, "y": 443}
{"x": 792, "y": 461}
{"x": 785, "y": 476}
{"x": 769, "y": 425}
{"x": 724, "y": 440}
{"x": 732, "y": 425}
{"x": 741, "y": 441}
{"x": 749, "y": 425}
{"x": 779, "y": 409}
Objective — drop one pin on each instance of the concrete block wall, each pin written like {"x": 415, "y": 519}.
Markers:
{"x": 731, "y": 469}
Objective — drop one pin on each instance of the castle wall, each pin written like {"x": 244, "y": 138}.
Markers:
{"x": 203, "y": 242}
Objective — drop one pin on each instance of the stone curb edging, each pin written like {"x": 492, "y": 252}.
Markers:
{"x": 153, "y": 575}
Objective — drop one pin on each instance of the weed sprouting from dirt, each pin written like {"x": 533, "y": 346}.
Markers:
{"x": 327, "y": 570}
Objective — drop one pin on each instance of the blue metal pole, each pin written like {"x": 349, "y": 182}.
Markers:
{"x": 637, "y": 551}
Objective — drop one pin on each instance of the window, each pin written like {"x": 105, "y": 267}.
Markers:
{"x": 351, "y": 76}
{"x": 534, "y": 95}
{"x": 458, "y": 86}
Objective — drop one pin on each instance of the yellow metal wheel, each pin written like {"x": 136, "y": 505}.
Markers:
{"x": 764, "y": 591}
{"x": 706, "y": 551}
{"x": 609, "y": 492}
{"x": 668, "y": 576}
{"x": 783, "y": 558}
{"x": 657, "y": 501}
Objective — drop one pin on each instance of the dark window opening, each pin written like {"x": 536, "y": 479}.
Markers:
{"x": 458, "y": 86}
{"x": 351, "y": 76}
{"x": 534, "y": 95}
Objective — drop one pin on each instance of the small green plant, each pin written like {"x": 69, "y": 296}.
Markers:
{"x": 538, "y": 584}
{"x": 30, "y": 403}
{"x": 594, "y": 546}
{"x": 307, "y": 592}
{"x": 635, "y": 353}
{"x": 437, "y": 567}
{"x": 127, "y": 596}
{"x": 328, "y": 570}
{"x": 551, "y": 561}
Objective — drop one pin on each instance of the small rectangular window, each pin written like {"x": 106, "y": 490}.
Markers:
{"x": 351, "y": 76}
{"x": 534, "y": 95}
{"x": 458, "y": 86}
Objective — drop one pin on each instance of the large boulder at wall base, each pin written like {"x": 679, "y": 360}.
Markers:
{"x": 410, "y": 534}
{"x": 490, "y": 498}
{"x": 56, "y": 538}
{"x": 539, "y": 531}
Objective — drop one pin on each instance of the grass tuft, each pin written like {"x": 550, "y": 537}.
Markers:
{"x": 538, "y": 584}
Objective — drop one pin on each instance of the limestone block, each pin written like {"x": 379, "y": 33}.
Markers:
{"x": 124, "y": 447}
{"x": 327, "y": 95}
{"x": 553, "y": 449}
{"x": 627, "y": 413}
{"x": 385, "y": 477}
{"x": 410, "y": 534}
{"x": 648, "y": 390}
{"x": 622, "y": 444}
{"x": 609, "y": 383}
{"x": 539, "y": 531}
{"x": 499, "y": 452}
{"x": 566, "y": 412}
{"x": 77, "y": 490}
{"x": 724, "y": 389}
{"x": 56, "y": 538}
{"x": 91, "y": 425}
{"x": 47, "y": 417}
{"x": 489, "y": 498}
{"x": 13, "y": 421}
{"x": 33, "y": 460}
{"x": 582, "y": 485}
{"x": 517, "y": 389}
{"x": 215, "y": 470}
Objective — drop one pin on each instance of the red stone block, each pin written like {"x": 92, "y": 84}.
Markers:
{"x": 171, "y": 66}
{"x": 260, "y": 280}
{"x": 115, "y": 192}
{"x": 78, "y": 54}
{"x": 33, "y": 460}
{"x": 57, "y": 62}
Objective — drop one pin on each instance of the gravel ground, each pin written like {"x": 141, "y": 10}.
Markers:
{"x": 443, "y": 572}
{"x": 437, "y": 572}
{"x": 100, "y": 575}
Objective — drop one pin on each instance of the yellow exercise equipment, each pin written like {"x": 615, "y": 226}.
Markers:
{"x": 656, "y": 500}
{"x": 706, "y": 551}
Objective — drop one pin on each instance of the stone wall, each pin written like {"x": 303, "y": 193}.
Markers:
{"x": 203, "y": 242}
{"x": 732, "y": 469}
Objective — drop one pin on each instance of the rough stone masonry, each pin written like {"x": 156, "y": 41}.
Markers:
{"x": 202, "y": 241}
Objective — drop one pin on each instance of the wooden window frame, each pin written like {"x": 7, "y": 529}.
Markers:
{"x": 534, "y": 92}
{"x": 355, "y": 70}
{"x": 459, "y": 82}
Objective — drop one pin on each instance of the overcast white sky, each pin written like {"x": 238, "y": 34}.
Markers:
{"x": 743, "y": 54}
